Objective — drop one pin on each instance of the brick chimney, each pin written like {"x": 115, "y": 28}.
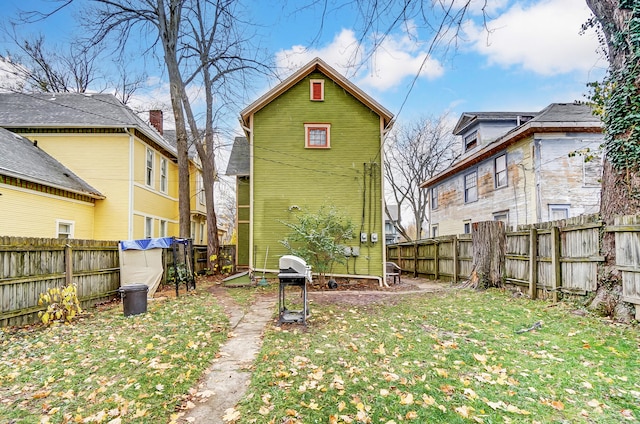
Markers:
{"x": 155, "y": 119}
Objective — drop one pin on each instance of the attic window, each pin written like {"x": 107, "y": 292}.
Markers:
{"x": 471, "y": 141}
{"x": 317, "y": 136}
{"x": 317, "y": 90}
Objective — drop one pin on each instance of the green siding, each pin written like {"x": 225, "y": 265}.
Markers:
{"x": 287, "y": 174}
{"x": 244, "y": 215}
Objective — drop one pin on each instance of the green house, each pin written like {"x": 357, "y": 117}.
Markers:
{"x": 313, "y": 140}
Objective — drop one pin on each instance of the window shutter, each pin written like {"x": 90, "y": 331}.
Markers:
{"x": 317, "y": 91}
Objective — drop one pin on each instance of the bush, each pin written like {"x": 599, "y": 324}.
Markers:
{"x": 62, "y": 304}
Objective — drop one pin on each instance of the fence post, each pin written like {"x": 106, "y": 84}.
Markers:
{"x": 68, "y": 265}
{"x": 556, "y": 271}
{"x": 455, "y": 259}
{"x": 436, "y": 259}
{"x": 415, "y": 259}
{"x": 533, "y": 263}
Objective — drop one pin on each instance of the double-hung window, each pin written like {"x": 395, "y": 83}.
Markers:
{"x": 471, "y": 141}
{"x": 64, "y": 229}
{"x": 471, "y": 187}
{"x": 149, "y": 168}
{"x": 163, "y": 174}
{"x": 317, "y": 136}
{"x": 501, "y": 171}
{"x": 148, "y": 227}
{"x": 434, "y": 197}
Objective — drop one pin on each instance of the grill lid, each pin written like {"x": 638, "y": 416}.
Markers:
{"x": 290, "y": 264}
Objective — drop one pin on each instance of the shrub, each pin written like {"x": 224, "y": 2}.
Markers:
{"x": 62, "y": 304}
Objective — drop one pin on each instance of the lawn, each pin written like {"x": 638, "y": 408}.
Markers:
{"x": 459, "y": 357}
{"x": 107, "y": 368}
{"x": 454, "y": 357}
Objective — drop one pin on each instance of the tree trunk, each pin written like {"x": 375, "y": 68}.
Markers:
{"x": 620, "y": 194}
{"x": 489, "y": 246}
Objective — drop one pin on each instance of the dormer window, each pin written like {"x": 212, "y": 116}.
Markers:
{"x": 471, "y": 141}
{"x": 317, "y": 90}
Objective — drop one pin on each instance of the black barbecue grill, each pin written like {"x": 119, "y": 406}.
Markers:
{"x": 294, "y": 272}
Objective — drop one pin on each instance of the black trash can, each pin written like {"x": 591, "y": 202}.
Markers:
{"x": 134, "y": 298}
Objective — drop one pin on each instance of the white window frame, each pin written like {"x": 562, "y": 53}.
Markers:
{"x": 311, "y": 85}
{"x": 467, "y": 188}
{"x": 193, "y": 230}
{"x": 164, "y": 177}
{"x": 500, "y": 172}
{"x": 471, "y": 141}
{"x": 466, "y": 226}
{"x": 434, "y": 197}
{"x": 148, "y": 227}
{"x": 70, "y": 233}
{"x": 200, "y": 188}
{"x": 559, "y": 207}
{"x": 163, "y": 228}
{"x": 149, "y": 162}
{"x": 434, "y": 231}
{"x": 201, "y": 232}
{"x": 307, "y": 135}
{"x": 502, "y": 216}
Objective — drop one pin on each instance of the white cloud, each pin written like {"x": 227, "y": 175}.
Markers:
{"x": 542, "y": 37}
{"x": 396, "y": 58}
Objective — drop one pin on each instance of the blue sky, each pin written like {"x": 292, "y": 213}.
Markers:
{"x": 533, "y": 55}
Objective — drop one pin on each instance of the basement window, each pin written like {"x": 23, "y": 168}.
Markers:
{"x": 317, "y": 90}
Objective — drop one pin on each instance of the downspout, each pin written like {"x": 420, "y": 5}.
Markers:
{"x": 536, "y": 166}
{"x": 249, "y": 130}
{"x": 131, "y": 182}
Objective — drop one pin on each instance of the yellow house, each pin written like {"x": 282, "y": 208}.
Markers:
{"x": 108, "y": 146}
{"x": 40, "y": 197}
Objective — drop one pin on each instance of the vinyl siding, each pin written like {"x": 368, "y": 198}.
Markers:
{"x": 287, "y": 174}
{"x": 27, "y": 213}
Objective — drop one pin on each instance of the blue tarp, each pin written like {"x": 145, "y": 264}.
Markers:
{"x": 146, "y": 244}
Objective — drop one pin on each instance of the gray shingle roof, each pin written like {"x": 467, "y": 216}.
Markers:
{"x": 566, "y": 112}
{"x": 239, "y": 163}
{"x": 71, "y": 110}
{"x": 20, "y": 158}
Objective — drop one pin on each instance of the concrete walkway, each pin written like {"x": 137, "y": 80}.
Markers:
{"x": 226, "y": 381}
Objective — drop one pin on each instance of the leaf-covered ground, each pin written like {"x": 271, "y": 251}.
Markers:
{"x": 455, "y": 357}
{"x": 107, "y": 368}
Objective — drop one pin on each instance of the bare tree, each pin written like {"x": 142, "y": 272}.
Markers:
{"x": 222, "y": 61}
{"x": 415, "y": 152}
{"x": 50, "y": 70}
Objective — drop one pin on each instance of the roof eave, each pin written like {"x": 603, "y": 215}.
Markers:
{"x": 510, "y": 138}
{"x": 95, "y": 195}
{"x": 320, "y": 65}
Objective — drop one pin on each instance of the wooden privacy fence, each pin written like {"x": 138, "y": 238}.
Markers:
{"x": 30, "y": 266}
{"x": 547, "y": 258}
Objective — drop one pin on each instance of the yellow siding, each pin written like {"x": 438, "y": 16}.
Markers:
{"x": 101, "y": 160}
{"x": 27, "y": 213}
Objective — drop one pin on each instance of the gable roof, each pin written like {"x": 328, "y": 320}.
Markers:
{"x": 73, "y": 110}
{"x": 469, "y": 118}
{"x": 20, "y": 158}
{"x": 239, "y": 163}
{"x": 316, "y": 64}
{"x": 557, "y": 117}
